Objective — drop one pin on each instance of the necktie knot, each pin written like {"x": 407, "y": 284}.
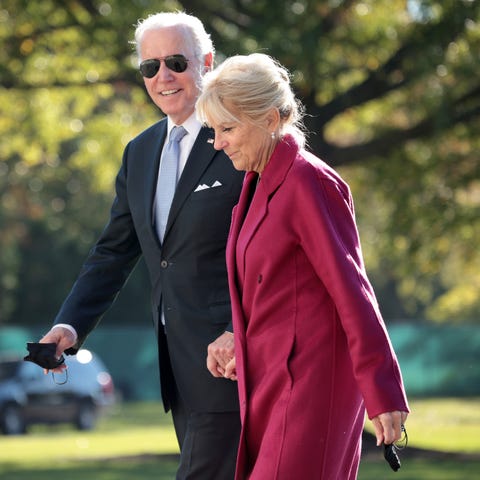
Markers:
{"x": 177, "y": 134}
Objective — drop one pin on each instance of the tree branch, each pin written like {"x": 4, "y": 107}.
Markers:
{"x": 402, "y": 68}
{"x": 384, "y": 144}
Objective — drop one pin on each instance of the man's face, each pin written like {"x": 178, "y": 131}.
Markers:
{"x": 174, "y": 93}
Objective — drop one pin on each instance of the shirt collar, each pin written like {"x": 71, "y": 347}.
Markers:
{"x": 191, "y": 125}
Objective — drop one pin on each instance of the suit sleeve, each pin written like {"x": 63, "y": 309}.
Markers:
{"x": 329, "y": 236}
{"x": 106, "y": 268}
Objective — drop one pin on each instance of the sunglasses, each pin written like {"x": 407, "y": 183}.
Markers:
{"x": 177, "y": 63}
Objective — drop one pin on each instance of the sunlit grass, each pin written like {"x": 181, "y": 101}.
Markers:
{"x": 137, "y": 442}
{"x": 447, "y": 424}
{"x": 159, "y": 468}
{"x": 131, "y": 429}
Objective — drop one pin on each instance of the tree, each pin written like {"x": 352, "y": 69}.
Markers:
{"x": 69, "y": 104}
{"x": 392, "y": 95}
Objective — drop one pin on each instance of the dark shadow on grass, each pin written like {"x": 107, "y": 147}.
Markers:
{"x": 370, "y": 449}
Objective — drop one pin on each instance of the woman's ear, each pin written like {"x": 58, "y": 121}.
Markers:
{"x": 273, "y": 119}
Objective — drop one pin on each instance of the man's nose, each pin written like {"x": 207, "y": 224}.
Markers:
{"x": 164, "y": 73}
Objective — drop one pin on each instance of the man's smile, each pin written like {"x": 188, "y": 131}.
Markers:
{"x": 166, "y": 93}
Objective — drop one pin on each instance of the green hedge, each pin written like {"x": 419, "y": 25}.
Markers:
{"x": 435, "y": 360}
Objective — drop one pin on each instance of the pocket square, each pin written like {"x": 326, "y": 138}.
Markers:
{"x": 204, "y": 186}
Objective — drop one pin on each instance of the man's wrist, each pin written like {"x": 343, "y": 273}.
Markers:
{"x": 68, "y": 327}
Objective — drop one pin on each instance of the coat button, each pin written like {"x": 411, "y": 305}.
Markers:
{"x": 164, "y": 264}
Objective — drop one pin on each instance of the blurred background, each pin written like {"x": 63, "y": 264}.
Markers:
{"x": 392, "y": 95}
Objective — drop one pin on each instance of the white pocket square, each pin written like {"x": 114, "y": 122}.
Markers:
{"x": 204, "y": 186}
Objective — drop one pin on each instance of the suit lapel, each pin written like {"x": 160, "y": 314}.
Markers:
{"x": 199, "y": 159}
{"x": 152, "y": 166}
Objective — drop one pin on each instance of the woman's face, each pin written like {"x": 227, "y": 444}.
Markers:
{"x": 248, "y": 146}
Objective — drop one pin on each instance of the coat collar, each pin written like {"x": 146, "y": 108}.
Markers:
{"x": 279, "y": 164}
{"x": 272, "y": 177}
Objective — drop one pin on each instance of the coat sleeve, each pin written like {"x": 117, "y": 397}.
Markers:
{"x": 327, "y": 230}
{"x": 105, "y": 269}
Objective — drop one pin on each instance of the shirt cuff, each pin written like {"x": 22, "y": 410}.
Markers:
{"x": 69, "y": 328}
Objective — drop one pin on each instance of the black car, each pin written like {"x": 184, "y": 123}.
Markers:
{"x": 29, "y": 396}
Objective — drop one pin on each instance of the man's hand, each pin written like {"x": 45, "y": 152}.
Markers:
{"x": 221, "y": 352}
{"x": 64, "y": 339}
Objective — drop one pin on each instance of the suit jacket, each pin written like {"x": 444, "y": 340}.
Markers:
{"x": 187, "y": 272}
{"x": 311, "y": 347}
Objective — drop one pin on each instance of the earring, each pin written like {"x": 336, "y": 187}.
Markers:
{"x": 273, "y": 135}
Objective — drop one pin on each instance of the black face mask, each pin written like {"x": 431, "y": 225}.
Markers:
{"x": 44, "y": 355}
{"x": 390, "y": 451}
{"x": 390, "y": 454}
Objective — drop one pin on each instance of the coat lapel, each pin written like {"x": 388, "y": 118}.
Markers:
{"x": 272, "y": 177}
{"x": 238, "y": 218}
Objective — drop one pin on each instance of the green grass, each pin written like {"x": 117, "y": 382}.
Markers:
{"x": 136, "y": 442}
{"x": 450, "y": 427}
{"x": 421, "y": 469}
{"x": 446, "y": 425}
{"x": 130, "y": 429}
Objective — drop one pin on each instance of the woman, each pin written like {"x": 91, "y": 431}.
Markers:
{"x": 311, "y": 348}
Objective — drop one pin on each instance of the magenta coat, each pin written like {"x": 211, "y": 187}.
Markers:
{"x": 310, "y": 344}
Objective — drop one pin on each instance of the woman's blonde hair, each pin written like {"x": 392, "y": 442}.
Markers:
{"x": 247, "y": 87}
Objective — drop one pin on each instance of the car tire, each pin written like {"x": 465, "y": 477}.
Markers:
{"x": 11, "y": 420}
{"x": 86, "y": 416}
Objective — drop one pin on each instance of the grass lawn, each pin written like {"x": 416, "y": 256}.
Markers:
{"x": 136, "y": 442}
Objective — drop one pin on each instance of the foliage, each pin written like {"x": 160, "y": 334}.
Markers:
{"x": 67, "y": 113}
{"x": 393, "y": 99}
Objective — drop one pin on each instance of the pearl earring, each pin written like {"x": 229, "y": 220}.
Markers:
{"x": 273, "y": 135}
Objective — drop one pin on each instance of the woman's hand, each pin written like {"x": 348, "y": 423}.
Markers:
{"x": 388, "y": 426}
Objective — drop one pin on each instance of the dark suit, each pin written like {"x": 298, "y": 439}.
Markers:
{"x": 187, "y": 272}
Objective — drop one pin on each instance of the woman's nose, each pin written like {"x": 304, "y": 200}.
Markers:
{"x": 218, "y": 143}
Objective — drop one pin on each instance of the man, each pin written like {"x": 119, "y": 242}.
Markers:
{"x": 185, "y": 254}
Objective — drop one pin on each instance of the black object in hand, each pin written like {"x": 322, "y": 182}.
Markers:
{"x": 44, "y": 355}
{"x": 390, "y": 454}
